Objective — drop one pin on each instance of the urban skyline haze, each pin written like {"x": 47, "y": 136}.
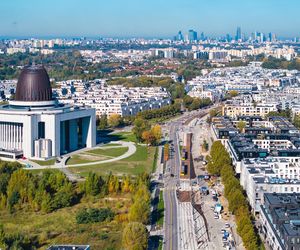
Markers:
{"x": 144, "y": 18}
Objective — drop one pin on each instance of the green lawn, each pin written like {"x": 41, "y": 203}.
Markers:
{"x": 123, "y": 136}
{"x": 111, "y": 145}
{"x": 45, "y": 163}
{"x": 77, "y": 159}
{"x": 160, "y": 210}
{"x": 158, "y": 214}
{"x": 113, "y": 152}
{"x": 98, "y": 154}
{"x": 141, "y": 161}
{"x": 141, "y": 154}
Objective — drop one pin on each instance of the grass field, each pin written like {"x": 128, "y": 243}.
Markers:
{"x": 45, "y": 163}
{"x": 160, "y": 210}
{"x": 123, "y": 136}
{"x": 98, "y": 154}
{"x": 141, "y": 161}
{"x": 60, "y": 227}
{"x": 113, "y": 152}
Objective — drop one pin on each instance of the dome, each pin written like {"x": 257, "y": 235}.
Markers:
{"x": 33, "y": 85}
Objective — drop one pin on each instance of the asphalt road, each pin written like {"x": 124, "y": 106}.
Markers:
{"x": 171, "y": 181}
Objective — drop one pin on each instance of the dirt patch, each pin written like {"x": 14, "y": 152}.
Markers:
{"x": 92, "y": 157}
{"x": 184, "y": 196}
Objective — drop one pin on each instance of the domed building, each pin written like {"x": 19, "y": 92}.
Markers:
{"x": 36, "y": 125}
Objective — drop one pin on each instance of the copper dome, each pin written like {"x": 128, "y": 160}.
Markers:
{"x": 33, "y": 85}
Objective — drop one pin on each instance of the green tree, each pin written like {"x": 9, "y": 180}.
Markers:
{"x": 135, "y": 236}
{"x": 3, "y": 244}
{"x": 241, "y": 125}
{"x": 140, "y": 125}
{"x": 296, "y": 121}
{"x": 139, "y": 211}
{"x": 103, "y": 122}
{"x": 93, "y": 184}
{"x": 233, "y": 93}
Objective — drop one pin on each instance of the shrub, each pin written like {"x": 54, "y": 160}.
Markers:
{"x": 93, "y": 215}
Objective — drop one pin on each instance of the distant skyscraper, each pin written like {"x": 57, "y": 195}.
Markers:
{"x": 202, "y": 37}
{"x": 238, "y": 34}
{"x": 180, "y": 36}
{"x": 270, "y": 37}
{"x": 192, "y": 36}
{"x": 261, "y": 37}
{"x": 228, "y": 38}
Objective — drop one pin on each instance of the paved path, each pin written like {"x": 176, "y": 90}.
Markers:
{"x": 62, "y": 164}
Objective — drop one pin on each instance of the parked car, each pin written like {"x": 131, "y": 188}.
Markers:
{"x": 227, "y": 225}
{"x": 216, "y": 216}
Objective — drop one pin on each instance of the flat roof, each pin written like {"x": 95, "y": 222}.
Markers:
{"x": 69, "y": 247}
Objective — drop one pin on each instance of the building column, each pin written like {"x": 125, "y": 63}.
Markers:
{"x": 28, "y": 137}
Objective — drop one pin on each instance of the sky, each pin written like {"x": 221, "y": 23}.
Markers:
{"x": 146, "y": 18}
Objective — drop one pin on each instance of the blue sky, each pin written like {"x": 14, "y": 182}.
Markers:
{"x": 147, "y": 18}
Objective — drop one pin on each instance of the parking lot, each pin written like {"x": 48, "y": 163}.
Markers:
{"x": 216, "y": 223}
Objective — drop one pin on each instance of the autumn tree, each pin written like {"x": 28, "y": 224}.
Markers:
{"x": 135, "y": 236}
{"x": 139, "y": 211}
{"x": 233, "y": 93}
{"x": 114, "y": 120}
{"x": 148, "y": 137}
{"x": 157, "y": 133}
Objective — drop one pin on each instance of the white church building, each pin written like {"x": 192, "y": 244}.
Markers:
{"x": 34, "y": 125}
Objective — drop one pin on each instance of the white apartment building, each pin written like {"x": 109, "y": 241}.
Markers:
{"x": 279, "y": 175}
{"x": 250, "y": 109}
{"x": 113, "y": 99}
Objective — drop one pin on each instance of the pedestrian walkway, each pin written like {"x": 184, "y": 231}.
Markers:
{"x": 62, "y": 164}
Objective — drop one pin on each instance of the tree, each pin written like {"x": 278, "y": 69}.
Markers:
{"x": 135, "y": 236}
{"x": 218, "y": 158}
{"x": 236, "y": 200}
{"x": 126, "y": 184}
{"x": 140, "y": 125}
{"x": 282, "y": 113}
{"x": 296, "y": 121}
{"x": 93, "y": 215}
{"x": 93, "y": 184}
{"x": 139, "y": 211}
{"x": 114, "y": 120}
{"x": 2, "y": 238}
{"x": 233, "y": 93}
{"x": 157, "y": 133}
{"x": 103, "y": 122}
{"x": 241, "y": 125}
{"x": 148, "y": 137}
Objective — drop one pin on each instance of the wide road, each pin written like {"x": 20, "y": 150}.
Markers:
{"x": 171, "y": 181}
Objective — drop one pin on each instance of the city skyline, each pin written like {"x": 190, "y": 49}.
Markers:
{"x": 156, "y": 20}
